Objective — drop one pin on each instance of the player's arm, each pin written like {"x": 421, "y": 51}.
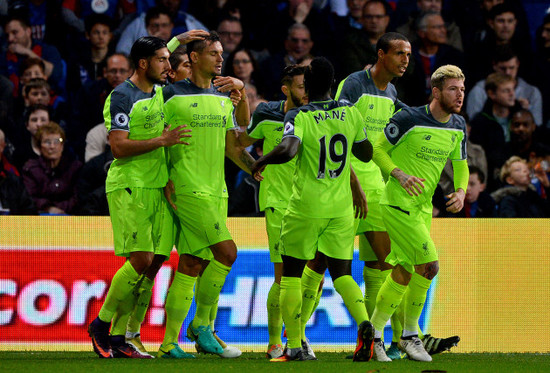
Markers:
{"x": 186, "y": 37}
{"x": 362, "y": 150}
{"x": 122, "y": 146}
{"x": 412, "y": 184}
{"x": 359, "y": 197}
{"x": 282, "y": 153}
{"x": 229, "y": 84}
{"x": 461, "y": 175}
{"x": 236, "y": 152}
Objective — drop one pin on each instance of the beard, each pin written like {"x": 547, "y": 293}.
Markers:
{"x": 155, "y": 79}
{"x": 297, "y": 102}
{"x": 448, "y": 106}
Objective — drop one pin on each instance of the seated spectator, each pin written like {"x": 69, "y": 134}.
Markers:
{"x": 21, "y": 46}
{"x": 408, "y": 29}
{"x": 24, "y": 141}
{"x": 358, "y": 47}
{"x": 14, "y": 199}
{"x": 519, "y": 199}
{"x": 231, "y": 37}
{"x": 523, "y": 142}
{"x": 491, "y": 127}
{"x": 90, "y": 186}
{"x": 87, "y": 63}
{"x": 242, "y": 65}
{"x": 51, "y": 178}
{"x": 38, "y": 92}
{"x": 254, "y": 98}
{"x": 542, "y": 67}
{"x": 506, "y": 61}
{"x": 477, "y": 203}
{"x": 96, "y": 141}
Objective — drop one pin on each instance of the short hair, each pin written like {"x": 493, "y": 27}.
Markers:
{"x": 297, "y": 26}
{"x": 445, "y": 72}
{"x": 47, "y": 129}
{"x": 505, "y": 170}
{"x": 504, "y": 53}
{"x": 156, "y": 12}
{"x": 145, "y": 47}
{"x": 384, "y": 3}
{"x": 420, "y": 22}
{"x": 229, "y": 19}
{"x": 499, "y": 9}
{"x": 477, "y": 171}
{"x": 527, "y": 112}
{"x": 35, "y": 83}
{"x": 34, "y": 108}
{"x": 494, "y": 80}
{"x": 97, "y": 19}
{"x": 176, "y": 58}
{"x": 29, "y": 62}
{"x": 199, "y": 45}
{"x": 385, "y": 40}
{"x": 290, "y": 72}
{"x": 21, "y": 18}
{"x": 319, "y": 76}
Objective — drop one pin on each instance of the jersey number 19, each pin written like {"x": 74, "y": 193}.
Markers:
{"x": 334, "y": 155}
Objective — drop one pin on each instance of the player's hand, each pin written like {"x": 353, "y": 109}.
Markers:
{"x": 169, "y": 190}
{"x": 359, "y": 201}
{"x": 235, "y": 97}
{"x": 175, "y": 136}
{"x": 228, "y": 83}
{"x": 192, "y": 35}
{"x": 256, "y": 171}
{"x": 456, "y": 201}
{"x": 412, "y": 184}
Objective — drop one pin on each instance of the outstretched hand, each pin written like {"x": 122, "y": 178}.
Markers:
{"x": 175, "y": 136}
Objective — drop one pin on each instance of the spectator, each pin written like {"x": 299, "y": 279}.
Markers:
{"x": 241, "y": 64}
{"x": 21, "y": 46}
{"x": 23, "y": 140}
{"x": 491, "y": 127}
{"x": 90, "y": 186}
{"x": 38, "y": 91}
{"x": 254, "y": 99}
{"x": 477, "y": 203}
{"x": 355, "y": 13}
{"x": 542, "y": 66}
{"x": 519, "y": 199}
{"x": 14, "y": 199}
{"x": 522, "y": 142}
{"x": 96, "y": 141}
{"x": 51, "y": 178}
{"x": 231, "y": 36}
{"x": 408, "y": 29}
{"x": 506, "y": 61}
{"x": 358, "y": 47}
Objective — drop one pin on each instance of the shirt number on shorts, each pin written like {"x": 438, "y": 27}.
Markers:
{"x": 337, "y": 152}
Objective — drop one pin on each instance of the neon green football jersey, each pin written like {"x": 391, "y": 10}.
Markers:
{"x": 140, "y": 114}
{"x": 321, "y": 182}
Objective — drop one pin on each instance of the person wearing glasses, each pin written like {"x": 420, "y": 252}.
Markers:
{"x": 242, "y": 65}
{"x": 51, "y": 178}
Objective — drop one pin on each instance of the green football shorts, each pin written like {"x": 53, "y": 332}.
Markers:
{"x": 170, "y": 231}
{"x": 202, "y": 218}
{"x": 409, "y": 233}
{"x": 373, "y": 223}
{"x": 302, "y": 236}
{"x": 135, "y": 219}
{"x": 273, "y": 221}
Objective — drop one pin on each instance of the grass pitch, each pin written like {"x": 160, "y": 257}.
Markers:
{"x": 56, "y": 362}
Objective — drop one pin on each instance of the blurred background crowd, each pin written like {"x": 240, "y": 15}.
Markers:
{"x": 60, "y": 59}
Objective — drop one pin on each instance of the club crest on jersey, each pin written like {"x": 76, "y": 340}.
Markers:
{"x": 222, "y": 103}
{"x": 392, "y": 130}
{"x": 288, "y": 128}
{"x": 121, "y": 119}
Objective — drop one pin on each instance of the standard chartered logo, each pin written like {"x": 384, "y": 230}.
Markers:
{"x": 433, "y": 155}
{"x": 208, "y": 120}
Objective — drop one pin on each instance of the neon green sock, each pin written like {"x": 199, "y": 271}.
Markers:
{"x": 317, "y": 300}
{"x": 353, "y": 297}
{"x": 397, "y": 317}
{"x": 142, "y": 304}
{"x": 310, "y": 289}
{"x": 291, "y": 309}
{"x": 211, "y": 284}
{"x": 178, "y": 301}
{"x": 274, "y": 318}
{"x": 124, "y": 281}
{"x": 373, "y": 281}
{"x": 388, "y": 299}
{"x": 122, "y": 314}
{"x": 414, "y": 301}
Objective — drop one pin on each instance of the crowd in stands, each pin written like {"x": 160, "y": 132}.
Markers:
{"x": 60, "y": 59}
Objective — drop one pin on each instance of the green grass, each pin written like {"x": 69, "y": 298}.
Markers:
{"x": 56, "y": 362}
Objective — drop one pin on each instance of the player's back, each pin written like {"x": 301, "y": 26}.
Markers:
{"x": 199, "y": 166}
{"x": 321, "y": 183}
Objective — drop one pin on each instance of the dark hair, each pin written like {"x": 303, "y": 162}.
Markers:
{"x": 521, "y": 110}
{"x": 97, "y": 19}
{"x": 384, "y": 3}
{"x": 290, "y": 72}
{"x": 319, "y": 76}
{"x": 229, "y": 19}
{"x": 199, "y": 45}
{"x": 385, "y": 40}
{"x": 35, "y": 83}
{"x": 155, "y": 12}
{"x": 477, "y": 170}
{"x": 33, "y": 108}
{"x": 229, "y": 63}
{"x": 145, "y": 47}
{"x": 19, "y": 17}
{"x": 28, "y": 62}
{"x": 176, "y": 58}
{"x": 504, "y": 53}
{"x": 498, "y": 9}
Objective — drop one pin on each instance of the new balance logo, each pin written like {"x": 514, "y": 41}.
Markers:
{"x": 427, "y": 137}
{"x": 145, "y": 108}
{"x": 279, "y": 129}
{"x": 371, "y": 106}
{"x": 194, "y": 104}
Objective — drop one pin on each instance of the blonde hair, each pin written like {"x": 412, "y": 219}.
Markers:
{"x": 446, "y": 72}
{"x": 505, "y": 170}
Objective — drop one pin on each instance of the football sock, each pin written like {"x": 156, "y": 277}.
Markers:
{"x": 353, "y": 297}
{"x": 291, "y": 308}
{"x": 389, "y": 297}
{"x": 310, "y": 289}
{"x": 142, "y": 304}
{"x": 178, "y": 301}
{"x": 123, "y": 283}
{"x": 373, "y": 281}
{"x": 397, "y": 317}
{"x": 414, "y": 300}
{"x": 211, "y": 284}
{"x": 122, "y": 314}
{"x": 274, "y": 318}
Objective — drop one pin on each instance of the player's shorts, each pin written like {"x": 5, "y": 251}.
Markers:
{"x": 169, "y": 231}
{"x": 273, "y": 221}
{"x": 302, "y": 236}
{"x": 409, "y": 231}
{"x": 374, "y": 221}
{"x": 135, "y": 219}
{"x": 202, "y": 218}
